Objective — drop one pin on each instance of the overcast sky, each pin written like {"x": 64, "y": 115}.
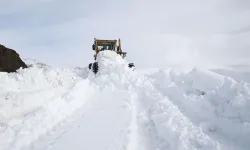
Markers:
{"x": 153, "y": 32}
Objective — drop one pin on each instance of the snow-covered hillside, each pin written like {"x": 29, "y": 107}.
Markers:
{"x": 118, "y": 108}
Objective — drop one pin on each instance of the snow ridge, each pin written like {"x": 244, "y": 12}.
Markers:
{"x": 25, "y": 115}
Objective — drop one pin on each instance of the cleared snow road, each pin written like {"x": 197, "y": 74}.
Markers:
{"x": 104, "y": 126}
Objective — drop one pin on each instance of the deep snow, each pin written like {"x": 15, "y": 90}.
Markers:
{"x": 152, "y": 109}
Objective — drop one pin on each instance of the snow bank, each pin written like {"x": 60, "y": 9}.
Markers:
{"x": 31, "y": 62}
{"x": 238, "y": 74}
{"x": 230, "y": 109}
{"x": 196, "y": 79}
{"x": 34, "y": 100}
{"x": 217, "y": 104}
{"x": 164, "y": 124}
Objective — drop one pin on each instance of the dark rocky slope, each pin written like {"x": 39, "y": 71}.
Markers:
{"x": 10, "y": 60}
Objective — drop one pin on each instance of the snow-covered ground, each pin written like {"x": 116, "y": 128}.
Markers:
{"x": 120, "y": 109}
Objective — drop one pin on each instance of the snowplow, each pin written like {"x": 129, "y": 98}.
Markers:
{"x": 103, "y": 45}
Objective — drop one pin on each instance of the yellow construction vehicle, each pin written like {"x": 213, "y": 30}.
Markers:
{"x": 102, "y": 45}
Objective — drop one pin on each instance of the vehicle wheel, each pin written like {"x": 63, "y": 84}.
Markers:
{"x": 95, "y": 67}
{"x": 90, "y": 65}
{"x": 131, "y": 65}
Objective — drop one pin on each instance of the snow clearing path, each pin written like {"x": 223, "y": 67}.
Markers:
{"x": 104, "y": 126}
{"x": 120, "y": 109}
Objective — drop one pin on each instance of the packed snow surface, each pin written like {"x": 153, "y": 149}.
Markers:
{"x": 121, "y": 109}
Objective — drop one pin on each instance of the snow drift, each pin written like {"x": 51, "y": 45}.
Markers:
{"x": 217, "y": 104}
{"x": 34, "y": 100}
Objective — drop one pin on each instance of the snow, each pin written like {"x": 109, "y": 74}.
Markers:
{"x": 105, "y": 112}
{"x": 151, "y": 109}
{"x": 35, "y": 100}
{"x": 222, "y": 112}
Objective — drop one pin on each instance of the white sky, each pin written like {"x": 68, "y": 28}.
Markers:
{"x": 153, "y": 32}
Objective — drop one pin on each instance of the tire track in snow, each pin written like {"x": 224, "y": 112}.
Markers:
{"x": 141, "y": 133}
{"x": 133, "y": 127}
